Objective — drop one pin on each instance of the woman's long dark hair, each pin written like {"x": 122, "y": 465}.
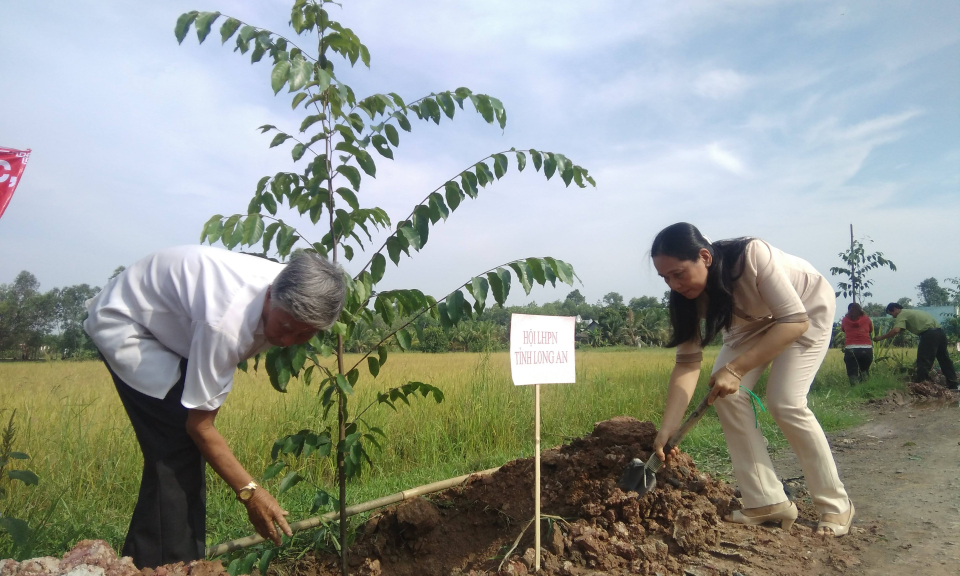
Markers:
{"x": 683, "y": 241}
{"x": 854, "y": 311}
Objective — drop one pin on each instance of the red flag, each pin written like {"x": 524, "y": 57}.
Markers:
{"x": 12, "y": 163}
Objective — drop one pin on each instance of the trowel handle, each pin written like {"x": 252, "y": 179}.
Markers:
{"x": 689, "y": 423}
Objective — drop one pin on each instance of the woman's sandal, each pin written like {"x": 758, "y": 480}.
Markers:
{"x": 839, "y": 524}
{"x": 786, "y": 514}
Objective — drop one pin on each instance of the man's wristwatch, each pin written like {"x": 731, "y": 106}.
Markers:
{"x": 246, "y": 493}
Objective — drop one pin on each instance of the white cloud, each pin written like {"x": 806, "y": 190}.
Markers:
{"x": 725, "y": 159}
{"x": 721, "y": 84}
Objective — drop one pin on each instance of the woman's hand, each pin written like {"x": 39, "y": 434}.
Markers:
{"x": 265, "y": 514}
{"x": 722, "y": 383}
{"x": 663, "y": 436}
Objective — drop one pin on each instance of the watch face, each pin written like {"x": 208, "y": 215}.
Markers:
{"x": 246, "y": 494}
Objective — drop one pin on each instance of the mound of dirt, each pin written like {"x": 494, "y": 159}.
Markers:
{"x": 97, "y": 558}
{"x": 594, "y": 527}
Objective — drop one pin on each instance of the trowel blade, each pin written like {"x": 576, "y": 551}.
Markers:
{"x": 637, "y": 478}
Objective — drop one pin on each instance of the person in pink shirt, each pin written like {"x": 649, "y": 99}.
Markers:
{"x": 858, "y": 346}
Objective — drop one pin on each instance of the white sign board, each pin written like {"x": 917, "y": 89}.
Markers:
{"x": 542, "y": 350}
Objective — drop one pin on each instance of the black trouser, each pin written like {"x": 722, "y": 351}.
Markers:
{"x": 933, "y": 345}
{"x": 169, "y": 520}
{"x": 858, "y": 361}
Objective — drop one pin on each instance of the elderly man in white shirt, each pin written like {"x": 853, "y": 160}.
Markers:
{"x": 171, "y": 329}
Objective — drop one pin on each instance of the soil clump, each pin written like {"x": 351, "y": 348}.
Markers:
{"x": 97, "y": 558}
{"x": 594, "y": 527}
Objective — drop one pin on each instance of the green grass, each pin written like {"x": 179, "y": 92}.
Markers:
{"x": 83, "y": 448}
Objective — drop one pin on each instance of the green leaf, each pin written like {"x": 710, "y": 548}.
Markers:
{"x": 279, "y": 75}
{"x": 279, "y": 139}
{"x": 300, "y": 72}
{"x": 252, "y": 229}
{"x": 344, "y": 384}
{"x": 481, "y": 175}
{"x": 455, "y": 306}
{"x": 393, "y": 249}
{"x": 183, "y": 24}
{"x": 269, "y": 233}
{"x": 352, "y": 174}
{"x": 366, "y": 162}
{"x": 228, "y": 28}
{"x": 25, "y": 476}
{"x": 496, "y": 286}
{"x": 483, "y": 169}
{"x": 265, "y": 559}
{"x": 438, "y": 207}
{"x": 537, "y": 159}
{"x": 478, "y": 289}
{"x": 411, "y": 235}
{"x": 536, "y": 268}
{"x": 484, "y": 107}
{"x": 270, "y": 204}
{"x": 320, "y": 499}
{"x": 297, "y": 152}
{"x": 521, "y": 161}
{"x": 18, "y": 529}
{"x": 297, "y": 100}
{"x": 311, "y": 119}
{"x": 382, "y": 354}
{"x": 446, "y": 104}
{"x": 453, "y": 194}
{"x": 350, "y": 198}
{"x": 523, "y": 275}
{"x": 278, "y": 368}
{"x": 373, "y": 365}
{"x": 377, "y": 266}
{"x": 203, "y": 23}
{"x": 273, "y": 469}
{"x": 403, "y": 338}
{"x": 550, "y": 165}
{"x": 289, "y": 481}
{"x": 298, "y": 357}
{"x": 380, "y": 143}
{"x": 402, "y": 121}
{"x": 19, "y": 456}
{"x": 392, "y": 135}
{"x": 499, "y": 165}
{"x": 469, "y": 183}
{"x": 422, "y": 223}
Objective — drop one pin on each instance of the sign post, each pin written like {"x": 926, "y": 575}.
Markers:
{"x": 541, "y": 352}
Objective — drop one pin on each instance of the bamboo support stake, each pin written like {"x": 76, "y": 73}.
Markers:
{"x": 246, "y": 542}
{"x": 536, "y": 492}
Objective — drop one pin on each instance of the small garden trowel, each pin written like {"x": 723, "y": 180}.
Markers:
{"x": 642, "y": 478}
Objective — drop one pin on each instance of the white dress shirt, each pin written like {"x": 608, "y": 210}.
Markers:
{"x": 195, "y": 302}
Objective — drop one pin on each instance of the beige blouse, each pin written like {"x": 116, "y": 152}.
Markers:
{"x": 774, "y": 287}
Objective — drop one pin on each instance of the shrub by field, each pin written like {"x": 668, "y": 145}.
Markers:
{"x": 73, "y": 426}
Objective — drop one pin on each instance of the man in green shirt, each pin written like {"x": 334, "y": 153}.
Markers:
{"x": 933, "y": 342}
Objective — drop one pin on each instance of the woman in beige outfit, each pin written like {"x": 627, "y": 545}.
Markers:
{"x": 775, "y": 310}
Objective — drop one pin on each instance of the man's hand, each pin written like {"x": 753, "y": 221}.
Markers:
{"x": 265, "y": 515}
{"x": 663, "y": 436}
{"x": 722, "y": 383}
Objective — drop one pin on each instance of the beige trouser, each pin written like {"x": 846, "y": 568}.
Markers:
{"x": 791, "y": 374}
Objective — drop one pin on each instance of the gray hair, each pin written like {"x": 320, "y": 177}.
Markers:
{"x": 311, "y": 289}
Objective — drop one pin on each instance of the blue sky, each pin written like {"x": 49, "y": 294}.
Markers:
{"x": 783, "y": 120}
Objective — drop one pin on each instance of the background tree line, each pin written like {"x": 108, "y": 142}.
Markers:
{"x": 36, "y": 325}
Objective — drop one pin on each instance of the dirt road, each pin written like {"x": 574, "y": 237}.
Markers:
{"x": 902, "y": 469}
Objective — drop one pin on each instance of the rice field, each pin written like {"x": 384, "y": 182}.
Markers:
{"x": 70, "y": 421}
